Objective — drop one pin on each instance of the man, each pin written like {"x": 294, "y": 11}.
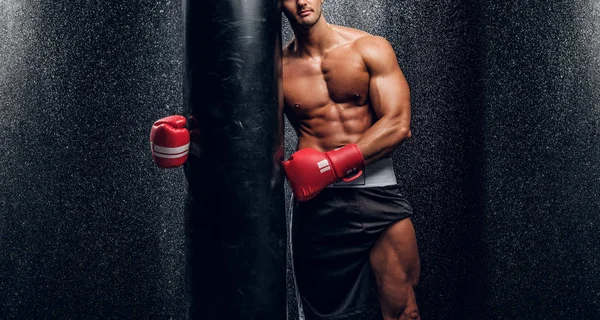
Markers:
{"x": 349, "y": 104}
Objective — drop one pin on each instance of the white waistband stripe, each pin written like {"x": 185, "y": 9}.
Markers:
{"x": 378, "y": 174}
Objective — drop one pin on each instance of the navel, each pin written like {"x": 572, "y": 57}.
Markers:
{"x": 296, "y": 106}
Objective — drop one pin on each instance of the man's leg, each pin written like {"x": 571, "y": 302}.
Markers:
{"x": 395, "y": 263}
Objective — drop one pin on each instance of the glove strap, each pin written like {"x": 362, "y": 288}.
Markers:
{"x": 354, "y": 177}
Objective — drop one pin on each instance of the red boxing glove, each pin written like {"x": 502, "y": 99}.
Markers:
{"x": 170, "y": 142}
{"x": 310, "y": 171}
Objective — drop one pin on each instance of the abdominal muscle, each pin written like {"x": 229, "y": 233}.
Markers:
{"x": 332, "y": 126}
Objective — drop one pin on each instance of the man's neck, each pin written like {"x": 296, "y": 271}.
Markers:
{"x": 314, "y": 41}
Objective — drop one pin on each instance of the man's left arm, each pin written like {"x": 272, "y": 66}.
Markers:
{"x": 389, "y": 97}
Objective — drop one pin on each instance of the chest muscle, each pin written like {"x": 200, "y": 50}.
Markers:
{"x": 339, "y": 78}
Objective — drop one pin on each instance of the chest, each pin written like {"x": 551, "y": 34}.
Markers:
{"x": 339, "y": 78}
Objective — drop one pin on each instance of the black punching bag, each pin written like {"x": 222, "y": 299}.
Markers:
{"x": 235, "y": 211}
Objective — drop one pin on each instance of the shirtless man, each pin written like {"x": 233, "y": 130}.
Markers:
{"x": 349, "y": 104}
{"x": 348, "y": 101}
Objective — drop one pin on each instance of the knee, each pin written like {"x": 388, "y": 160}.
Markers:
{"x": 410, "y": 312}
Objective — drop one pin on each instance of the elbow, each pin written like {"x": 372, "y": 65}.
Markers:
{"x": 403, "y": 133}
{"x": 401, "y": 129}
{"x": 407, "y": 133}
{"x": 398, "y": 136}
{"x": 396, "y": 131}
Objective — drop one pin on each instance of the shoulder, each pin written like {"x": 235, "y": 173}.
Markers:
{"x": 371, "y": 45}
{"x": 361, "y": 40}
{"x": 368, "y": 45}
{"x": 377, "y": 53}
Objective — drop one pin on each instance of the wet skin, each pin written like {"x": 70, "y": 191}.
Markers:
{"x": 341, "y": 86}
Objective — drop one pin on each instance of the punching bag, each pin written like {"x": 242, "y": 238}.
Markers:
{"x": 235, "y": 209}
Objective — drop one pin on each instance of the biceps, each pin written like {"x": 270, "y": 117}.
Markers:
{"x": 389, "y": 94}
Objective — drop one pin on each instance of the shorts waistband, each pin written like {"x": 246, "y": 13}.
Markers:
{"x": 377, "y": 174}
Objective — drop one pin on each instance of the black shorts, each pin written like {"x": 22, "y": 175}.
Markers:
{"x": 332, "y": 236}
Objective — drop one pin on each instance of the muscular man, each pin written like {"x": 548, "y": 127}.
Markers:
{"x": 349, "y": 104}
{"x": 348, "y": 101}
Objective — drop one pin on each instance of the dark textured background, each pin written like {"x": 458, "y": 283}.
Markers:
{"x": 503, "y": 169}
{"x": 89, "y": 228}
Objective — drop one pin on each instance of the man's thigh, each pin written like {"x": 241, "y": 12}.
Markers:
{"x": 396, "y": 266}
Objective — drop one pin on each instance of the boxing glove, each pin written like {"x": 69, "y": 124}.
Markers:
{"x": 309, "y": 171}
{"x": 170, "y": 142}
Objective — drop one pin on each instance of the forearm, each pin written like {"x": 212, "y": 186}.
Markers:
{"x": 383, "y": 137}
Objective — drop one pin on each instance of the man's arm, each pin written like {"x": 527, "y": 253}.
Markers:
{"x": 389, "y": 98}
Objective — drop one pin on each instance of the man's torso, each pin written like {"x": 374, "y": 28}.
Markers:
{"x": 326, "y": 98}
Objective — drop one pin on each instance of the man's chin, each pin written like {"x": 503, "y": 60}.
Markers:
{"x": 307, "y": 23}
